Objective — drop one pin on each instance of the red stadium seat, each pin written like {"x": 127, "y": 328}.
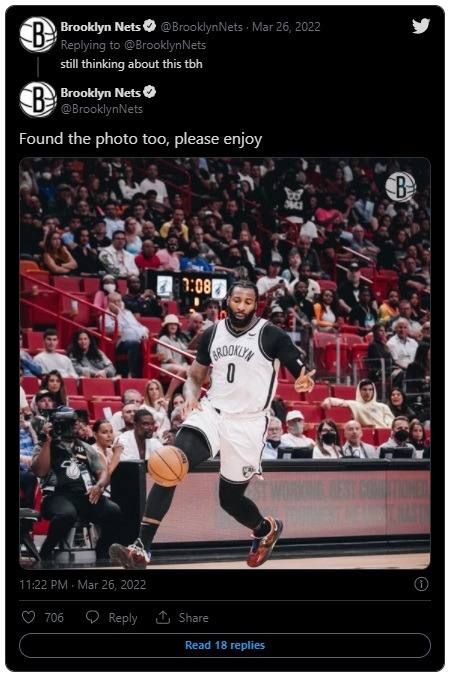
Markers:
{"x": 312, "y": 414}
{"x": 319, "y": 393}
{"x": 350, "y": 338}
{"x": 381, "y": 436}
{"x": 78, "y": 403}
{"x": 97, "y": 408}
{"x": 30, "y": 384}
{"x": 344, "y": 391}
{"x": 339, "y": 414}
{"x": 350, "y": 329}
{"x": 45, "y": 312}
{"x": 368, "y": 435}
{"x": 71, "y": 386}
{"x": 381, "y": 286}
{"x": 138, "y": 383}
{"x": 153, "y": 324}
{"x": 79, "y": 313}
{"x": 171, "y": 307}
{"x": 67, "y": 283}
{"x": 331, "y": 359}
{"x": 287, "y": 392}
{"x": 326, "y": 285}
{"x": 358, "y": 350}
{"x": 90, "y": 286}
{"x": 92, "y": 387}
{"x": 367, "y": 272}
{"x": 122, "y": 285}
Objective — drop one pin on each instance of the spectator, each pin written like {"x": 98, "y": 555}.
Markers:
{"x": 212, "y": 311}
{"x": 417, "y": 435}
{"x": 273, "y": 439}
{"x": 98, "y": 236}
{"x": 115, "y": 259}
{"x": 378, "y": 350}
{"x": 138, "y": 443}
{"x": 133, "y": 241}
{"x": 354, "y": 446}
{"x": 107, "y": 285}
{"x": 50, "y": 359}
{"x": 205, "y": 251}
{"x": 27, "y": 479}
{"x": 153, "y": 183}
{"x": 141, "y": 303}
{"x": 27, "y": 364}
{"x": 87, "y": 262}
{"x": 54, "y": 384}
{"x": 169, "y": 256}
{"x": 131, "y": 334}
{"x": 154, "y": 398}
{"x": 328, "y": 442}
{"x": 57, "y": 259}
{"x": 327, "y": 311}
{"x": 176, "y": 222}
{"x": 389, "y": 309}
{"x": 365, "y": 409}
{"x": 327, "y": 214}
{"x": 87, "y": 359}
{"x": 333, "y": 248}
{"x": 401, "y": 346}
{"x": 175, "y": 401}
{"x": 399, "y": 437}
{"x": 398, "y": 404}
{"x": 362, "y": 314}
{"x": 67, "y": 237}
{"x": 314, "y": 289}
{"x": 295, "y": 431}
{"x": 65, "y": 496}
{"x": 418, "y": 381}
{"x": 412, "y": 281}
{"x": 173, "y": 361}
{"x": 191, "y": 335}
{"x": 292, "y": 273}
{"x": 128, "y": 186}
{"x": 111, "y": 220}
{"x": 417, "y": 313}
{"x": 193, "y": 261}
{"x": 362, "y": 245}
{"x": 147, "y": 259}
{"x": 130, "y": 397}
{"x": 272, "y": 282}
{"x": 308, "y": 255}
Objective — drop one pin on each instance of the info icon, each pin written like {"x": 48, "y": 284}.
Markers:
{"x": 38, "y": 99}
{"x": 400, "y": 186}
{"x": 38, "y": 34}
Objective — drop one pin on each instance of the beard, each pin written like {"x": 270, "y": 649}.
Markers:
{"x": 240, "y": 322}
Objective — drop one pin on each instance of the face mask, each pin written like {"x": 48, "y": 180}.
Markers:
{"x": 401, "y": 435}
{"x": 329, "y": 437}
{"x": 109, "y": 287}
{"x": 234, "y": 261}
{"x": 297, "y": 428}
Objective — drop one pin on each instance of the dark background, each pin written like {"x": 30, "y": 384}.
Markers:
{"x": 363, "y": 86}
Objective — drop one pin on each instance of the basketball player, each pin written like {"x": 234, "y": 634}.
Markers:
{"x": 245, "y": 352}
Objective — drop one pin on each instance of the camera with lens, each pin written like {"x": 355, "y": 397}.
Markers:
{"x": 62, "y": 423}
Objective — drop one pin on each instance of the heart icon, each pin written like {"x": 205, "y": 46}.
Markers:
{"x": 28, "y": 616}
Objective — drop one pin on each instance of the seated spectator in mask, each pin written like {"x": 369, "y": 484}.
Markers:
{"x": 365, "y": 409}
{"x": 400, "y": 437}
{"x": 193, "y": 261}
{"x": 354, "y": 446}
{"x": 294, "y": 438}
{"x": 273, "y": 439}
{"x": 328, "y": 442}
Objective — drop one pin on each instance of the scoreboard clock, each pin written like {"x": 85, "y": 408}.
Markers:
{"x": 190, "y": 288}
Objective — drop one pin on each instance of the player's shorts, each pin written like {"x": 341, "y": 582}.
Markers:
{"x": 239, "y": 438}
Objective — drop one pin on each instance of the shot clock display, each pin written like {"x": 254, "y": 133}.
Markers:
{"x": 190, "y": 288}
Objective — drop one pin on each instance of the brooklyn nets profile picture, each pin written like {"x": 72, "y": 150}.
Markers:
{"x": 38, "y": 34}
{"x": 400, "y": 186}
{"x": 38, "y": 99}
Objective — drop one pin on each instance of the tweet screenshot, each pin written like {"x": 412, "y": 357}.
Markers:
{"x": 221, "y": 286}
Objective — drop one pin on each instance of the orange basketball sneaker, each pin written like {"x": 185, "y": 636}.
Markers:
{"x": 133, "y": 557}
{"x": 262, "y": 547}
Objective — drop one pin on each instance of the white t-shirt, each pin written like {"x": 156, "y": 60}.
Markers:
{"x": 48, "y": 361}
{"x": 130, "y": 452}
{"x": 291, "y": 441}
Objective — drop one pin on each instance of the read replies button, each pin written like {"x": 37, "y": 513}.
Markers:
{"x": 226, "y": 645}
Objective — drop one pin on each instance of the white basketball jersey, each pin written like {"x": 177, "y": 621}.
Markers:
{"x": 243, "y": 378}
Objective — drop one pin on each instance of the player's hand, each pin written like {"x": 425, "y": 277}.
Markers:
{"x": 304, "y": 383}
{"x": 188, "y": 406}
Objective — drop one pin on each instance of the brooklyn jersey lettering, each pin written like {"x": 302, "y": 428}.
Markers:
{"x": 243, "y": 378}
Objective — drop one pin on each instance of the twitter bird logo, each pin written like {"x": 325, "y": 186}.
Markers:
{"x": 420, "y": 26}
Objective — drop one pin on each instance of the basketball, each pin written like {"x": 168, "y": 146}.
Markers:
{"x": 400, "y": 186}
{"x": 168, "y": 465}
{"x": 38, "y": 34}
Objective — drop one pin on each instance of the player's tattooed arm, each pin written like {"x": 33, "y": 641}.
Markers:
{"x": 192, "y": 387}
